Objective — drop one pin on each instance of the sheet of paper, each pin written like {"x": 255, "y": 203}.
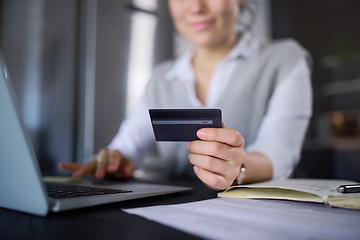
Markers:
{"x": 234, "y": 218}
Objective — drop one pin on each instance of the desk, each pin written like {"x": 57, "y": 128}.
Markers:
{"x": 101, "y": 222}
{"x": 110, "y": 222}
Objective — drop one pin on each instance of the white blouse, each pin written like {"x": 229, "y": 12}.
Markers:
{"x": 135, "y": 134}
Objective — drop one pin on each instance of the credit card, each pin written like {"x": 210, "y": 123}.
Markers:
{"x": 182, "y": 124}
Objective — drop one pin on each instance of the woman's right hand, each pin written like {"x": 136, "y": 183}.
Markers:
{"x": 105, "y": 163}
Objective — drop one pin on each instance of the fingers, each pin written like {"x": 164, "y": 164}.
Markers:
{"x": 101, "y": 160}
{"x": 114, "y": 161}
{"x": 78, "y": 169}
{"x": 81, "y": 169}
{"x": 104, "y": 163}
{"x": 71, "y": 167}
{"x": 120, "y": 166}
{"x": 216, "y": 173}
{"x": 228, "y": 136}
{"x": 127, "y": 167}
{"x": 222, "y": 143}
{"x": 214, "y": 165}
{"x": 213, "y": 149}
{"x": 218, "y": 157}
{"x": 214, "y": 181}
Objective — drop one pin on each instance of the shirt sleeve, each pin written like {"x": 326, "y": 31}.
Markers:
{"x": 135, "y": 134}
{"x": 282, "y": 131}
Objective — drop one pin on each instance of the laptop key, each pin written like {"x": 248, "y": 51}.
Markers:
{"x": 58, "y": 190}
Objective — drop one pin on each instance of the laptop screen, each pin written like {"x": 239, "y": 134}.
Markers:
{"x": 20, "y": 179}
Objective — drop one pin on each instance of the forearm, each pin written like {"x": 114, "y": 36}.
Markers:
{"x": 283, "y": 128}
{"x": 258, "y": 168}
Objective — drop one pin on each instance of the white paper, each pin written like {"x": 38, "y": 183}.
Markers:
{"x": 233, "y": 218}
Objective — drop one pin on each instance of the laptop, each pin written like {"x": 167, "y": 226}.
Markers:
{"x": 21, "y": 184}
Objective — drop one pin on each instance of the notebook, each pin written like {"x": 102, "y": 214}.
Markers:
{"x": 21, "y": 184}
{"x": 298, "y": 189}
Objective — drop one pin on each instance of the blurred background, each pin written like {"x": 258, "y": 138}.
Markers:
{"x": 79, "y": 66}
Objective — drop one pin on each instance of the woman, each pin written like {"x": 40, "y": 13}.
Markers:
{"x": 263, "y": 89}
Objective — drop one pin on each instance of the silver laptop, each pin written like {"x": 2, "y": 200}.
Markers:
{"x": 21, "y": 184}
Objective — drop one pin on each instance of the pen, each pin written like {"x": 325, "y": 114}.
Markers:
{"x": 354, "y": 188}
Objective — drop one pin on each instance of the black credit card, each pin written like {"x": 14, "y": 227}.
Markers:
{"x": 182, "y": 124}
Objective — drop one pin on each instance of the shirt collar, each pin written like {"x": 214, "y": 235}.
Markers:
{"x": 182, "y": 68}
{"x": 246, "y": 48}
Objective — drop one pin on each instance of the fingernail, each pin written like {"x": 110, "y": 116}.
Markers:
{"x": 196, "y": 169}
{"x": 111, "y": 168}
{"x": 201, "y": 133}
{"x": 99, "y": 174}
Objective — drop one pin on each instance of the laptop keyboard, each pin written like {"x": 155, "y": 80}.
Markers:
{"x": 58, "y": 190}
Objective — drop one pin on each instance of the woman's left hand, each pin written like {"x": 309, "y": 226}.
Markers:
{"x": 218, "y": 157}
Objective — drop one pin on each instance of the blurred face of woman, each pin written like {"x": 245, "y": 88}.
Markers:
{"x": 205, "y": 23}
